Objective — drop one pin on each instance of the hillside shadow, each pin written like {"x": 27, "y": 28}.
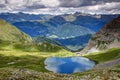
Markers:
{"x": 45, "y": 47}
{"x": 21, "y": 62}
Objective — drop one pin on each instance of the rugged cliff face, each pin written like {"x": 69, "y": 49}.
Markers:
{"x": 108, "y": 37}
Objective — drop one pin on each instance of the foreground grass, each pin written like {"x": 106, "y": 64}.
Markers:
{"x": 29, "y": 55}
{"x": 20, "y": 62}
{"x": 17, "y": 58}
{"x": 101, "y": 73}
{"x": 29, "y": 60}
{"x": 25, "y": 74}
{"x": 20, "y": 74}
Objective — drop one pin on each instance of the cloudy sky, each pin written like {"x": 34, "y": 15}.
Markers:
{"x": 61, "y": 6}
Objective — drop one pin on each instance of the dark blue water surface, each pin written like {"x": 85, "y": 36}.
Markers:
{"x": 68, "y": 65}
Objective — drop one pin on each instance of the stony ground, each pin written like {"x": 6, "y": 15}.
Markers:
{"x": 108, "y": 64}
{"x": 24, "y": 74}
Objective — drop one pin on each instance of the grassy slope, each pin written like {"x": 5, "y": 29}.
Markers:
{"x": 35, "y": 61}
{"x": 100, "y": 58}
{"x": 9, "y": 32}
{"x": 111, "y": 54}
{"x": 16, "y": 58}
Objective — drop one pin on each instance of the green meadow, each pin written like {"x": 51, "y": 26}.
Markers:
{"x": 16, "y": 56}
{"x": 105, "y": 56}
{"x": 28, "y": 56}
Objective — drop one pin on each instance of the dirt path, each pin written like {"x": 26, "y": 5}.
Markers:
{"x": 108, "y": 64}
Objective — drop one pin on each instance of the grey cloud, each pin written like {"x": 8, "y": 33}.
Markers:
{"x": 37, "y": 6}
{"x": 71, "y": 3}
{"x": 63, "y": 3}
{"x": 79, "y": 3}
{"x": 2, "y": 5}
{"x": 61, "y": 6}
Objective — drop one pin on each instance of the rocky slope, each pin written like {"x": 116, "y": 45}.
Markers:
{"x": 24, "y": 74}
{"x": 108, "y": 37}
{"x": 9, "y": 32}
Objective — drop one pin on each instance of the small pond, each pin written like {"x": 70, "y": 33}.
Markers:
{"x": 68, "y": 65}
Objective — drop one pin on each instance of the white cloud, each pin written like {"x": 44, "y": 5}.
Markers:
{"x": 93, "y": 50}
{"x": 50, "y": 3}
{"x": 106, "y": 8}
{"x": 71, "y": 3}
{"x": 112, "y": 5}
{"x": 53, "y": 61}
{"x": 15, "y": 3}
{"x": 52, "y": 68}
{"x": 53, "y": 36}
{"x": 74, "y": 47}
{"x": 57, "y": 7}
{"x": 2, "y": 2}
{"x": 77, "y": 70}
{"x": 53, "y": 64}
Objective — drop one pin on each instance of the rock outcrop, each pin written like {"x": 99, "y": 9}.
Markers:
{"x": 108, "y": 37}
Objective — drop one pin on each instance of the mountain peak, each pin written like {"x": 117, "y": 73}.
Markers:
{"x": 114, "y": 24}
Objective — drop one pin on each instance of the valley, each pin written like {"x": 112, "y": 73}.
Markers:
{"x": 30, "y": 65}
{"x": 26, "y": 45}
{"x": 60, "y": 28}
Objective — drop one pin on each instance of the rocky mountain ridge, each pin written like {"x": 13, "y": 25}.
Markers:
{"x": 108, "y": 37}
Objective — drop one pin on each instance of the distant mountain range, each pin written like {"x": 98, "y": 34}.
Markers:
{"x": 75, "y": 44}
{"x": 33, "y": 28}
{"x": 19, "y": 17}
{"x": 61, "y": 28}
{"x": 11, "y": 38}
{"x": 108, "y": 37}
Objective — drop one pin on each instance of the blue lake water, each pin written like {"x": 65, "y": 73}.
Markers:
{"x": 68, "y": 65}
